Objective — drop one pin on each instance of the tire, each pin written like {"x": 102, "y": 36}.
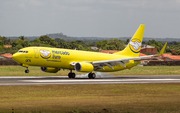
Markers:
{"x": 93, "y": 76}
{"x": 73, "y": 75}
{"x": 69, "y": 75}
{"x": 26, "y": 71}
{"x": 89, "y": 75}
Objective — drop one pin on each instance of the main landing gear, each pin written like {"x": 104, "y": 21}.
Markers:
{"x": 92, "y": 75}
{"x": 71, "y": 75}
{"x": 27, "y": 70}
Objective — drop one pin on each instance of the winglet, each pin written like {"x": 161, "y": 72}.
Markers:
{"x": 162, "y": 50}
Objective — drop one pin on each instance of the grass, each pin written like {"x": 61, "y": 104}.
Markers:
{"x": 122, "y": 98}
{"x": 151, "y": 70}
{"x": 146, "y": 70}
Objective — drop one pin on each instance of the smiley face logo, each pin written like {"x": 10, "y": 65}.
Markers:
{"x": 135, "y": 45}
{"x": 45, "y": 53}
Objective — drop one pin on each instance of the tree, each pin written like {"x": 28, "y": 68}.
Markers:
{"x": 63, "y": 45}
{"x": 1, "y": 43}
{"x": 14, "y": 44}
{"x": 80, "y": 47}
{"x": 99, "y": 44}
{"x": 151, "y": 42}
{"x": 21, "y": 37}
{"x": 5, "y": 40}
{"x": 59, "y": 40}
{"x": 118, "y": 44}
{"x": 127, "y": 41}
{"x": 112, "y": 44}
{"x": 25, "y": 43}
{"x": 176, "y": 52}
{"x": 36, "y": 41}
{"x": 73, "y": 45}
{"x": 19, "y": 46}
{"x": 45, "y": 39}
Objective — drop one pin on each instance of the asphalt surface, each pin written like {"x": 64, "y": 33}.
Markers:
{"x": 64, "y": 80}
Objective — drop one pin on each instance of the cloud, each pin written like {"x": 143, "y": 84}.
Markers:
{"x": 89, "y": 17}
{"x": 36, "y": 2}
{"x": 178, "y": 1}
{"x": 22, "y": 5}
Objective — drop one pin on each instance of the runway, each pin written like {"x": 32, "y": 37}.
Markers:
{"x": 64, "y": 80}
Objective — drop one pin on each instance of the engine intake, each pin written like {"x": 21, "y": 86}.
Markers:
{"x": 84, "y": 67}
{"x": 50, "y": 69}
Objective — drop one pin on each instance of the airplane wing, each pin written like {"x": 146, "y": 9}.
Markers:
{"x": 111, "y": 63}
{"x": 114, "y": 62}
{"x": 122, "y": 62}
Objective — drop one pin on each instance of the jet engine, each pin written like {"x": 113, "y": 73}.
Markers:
{"x": 84, "y": 67}
{"x": 50, "y": 69}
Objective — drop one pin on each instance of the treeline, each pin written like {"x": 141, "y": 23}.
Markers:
{"x": 112, "y": 44}
{"x": 45, "y": 41}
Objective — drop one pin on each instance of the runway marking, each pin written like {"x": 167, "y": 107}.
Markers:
{"x": 97, "y": 80}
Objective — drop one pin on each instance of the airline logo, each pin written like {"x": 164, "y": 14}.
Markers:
{"x": 45, "y": 53}
{"x": 135, "y": 45}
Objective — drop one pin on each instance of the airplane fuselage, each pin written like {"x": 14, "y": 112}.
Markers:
{"x": 62, "y": 58}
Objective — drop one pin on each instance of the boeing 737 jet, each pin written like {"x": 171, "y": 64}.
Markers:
{"x": 53, "y": 59}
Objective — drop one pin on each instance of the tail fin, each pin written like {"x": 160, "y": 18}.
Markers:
{"x": 134, "y": 46}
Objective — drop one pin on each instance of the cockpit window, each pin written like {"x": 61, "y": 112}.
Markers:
{"x": 20, "y": 51}
{"x": 23, "y": 51}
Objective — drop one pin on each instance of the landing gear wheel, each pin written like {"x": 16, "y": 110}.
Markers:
{"x": 92, "y": 75}
{"x": 26, "y": 71}
{"x": 71, "y": 75}
{"x": 89, "y": 75}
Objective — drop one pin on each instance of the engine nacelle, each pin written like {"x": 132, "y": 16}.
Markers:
{"x": 84, "y": 67}
{"x": 50, "y": 69}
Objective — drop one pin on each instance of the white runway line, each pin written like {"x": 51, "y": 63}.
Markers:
{"x": 97, "y": 80}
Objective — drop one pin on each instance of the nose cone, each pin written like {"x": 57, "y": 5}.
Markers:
{"x": 17, "y": 57}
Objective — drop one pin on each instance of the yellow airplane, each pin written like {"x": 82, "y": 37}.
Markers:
{"x": 53, "y": 59}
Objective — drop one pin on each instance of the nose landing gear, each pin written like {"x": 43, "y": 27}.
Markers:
{"x": 27, "y": 70}
{"x": 26, "y": 66}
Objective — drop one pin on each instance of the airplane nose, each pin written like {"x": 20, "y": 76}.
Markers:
{"x": 17, "y": 57}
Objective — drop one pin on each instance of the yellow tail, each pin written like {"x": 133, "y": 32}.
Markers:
{"x": 134, "y": 46}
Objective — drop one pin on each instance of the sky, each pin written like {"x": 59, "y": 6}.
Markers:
{"x": 86, "y": 18}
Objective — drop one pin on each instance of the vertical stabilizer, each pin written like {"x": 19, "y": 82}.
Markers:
{"x": 134, "y": 46}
